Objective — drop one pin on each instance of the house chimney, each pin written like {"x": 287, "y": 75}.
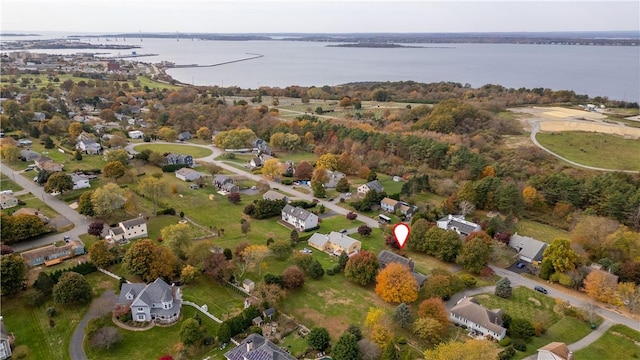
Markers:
{"x": 173, "y": 290}
{"x": 570, "y": 357}
{"x": 249, "y": 345}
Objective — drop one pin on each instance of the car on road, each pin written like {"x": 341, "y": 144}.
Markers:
{"x": 520, "y": 265}
{"x": 67, "y": 238}
{"x": 343, "y": 231}
{"x": 540, "y": 289}
{"x": 331, "y": 199}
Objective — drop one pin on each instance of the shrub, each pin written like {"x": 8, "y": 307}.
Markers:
{"x": 487, "y": 272}
{"x": 20, "y": 352}
{"x": 51, "y": 311}
{"x": 401, "y": 341}
{"x": 169, "y": 211}
{"x": 468, "y": 280}
{"x": 351, "y": 215}
{"x": 507, "y": 354}
{"x": 519, "y": 345}
{"x": 538, "y": 328}
{"x": 330, "y": 272}
{"x": 504, "y": 342}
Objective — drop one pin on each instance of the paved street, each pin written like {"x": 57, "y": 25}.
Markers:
{"x": 58, "y": 205}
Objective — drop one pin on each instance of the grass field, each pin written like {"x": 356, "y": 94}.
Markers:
{"x": 7, "y": 184}
{"x": 619, "y": 337}
{"x": 594, "y": 149}
{"x": 528, "y": 304}
{"x": 196, "y": 152}
{"x": 31, "y": 326}
{"x": 539, "y": 231}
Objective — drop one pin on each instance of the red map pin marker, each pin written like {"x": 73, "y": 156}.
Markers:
{"x": 401, "y": 233}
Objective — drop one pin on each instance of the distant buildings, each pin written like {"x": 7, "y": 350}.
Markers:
{"x": 187, "y": 174}
{"x": 179, "y": 159}
{"x": 8, "y": 201}
{"x": 256, "y": 347}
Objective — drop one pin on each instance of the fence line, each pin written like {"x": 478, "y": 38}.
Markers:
{"x": 198, "y": 307}
{"x": 108, "y": 273}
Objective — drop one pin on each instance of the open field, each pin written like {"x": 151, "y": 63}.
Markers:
{"x": 594, "y": 149}
{"x": 539, "y": 231}
{"x": 196, "y": 152}
{"x": 7, "y": 184}
{"x": 528, "y": 304}
{"x": 624, "y": 340}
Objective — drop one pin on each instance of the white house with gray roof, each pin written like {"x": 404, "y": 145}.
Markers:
{"x": 300, "y": 218}
{"x": 529, "y": 249}
{"x": 371, "y": 185}
{"x": 129, "y": 229}
{"x": 335, "y": 243}
{"x": 157, "y": 301}
{"x": 458, "y": 224}
{"x": 470, "y": 313}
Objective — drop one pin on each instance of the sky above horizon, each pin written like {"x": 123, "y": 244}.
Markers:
{"x": 306, "y": 16}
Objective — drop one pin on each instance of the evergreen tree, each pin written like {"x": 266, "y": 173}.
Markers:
{"x": 346, "y": 348}
{"x": 402, "y": 315}
{"x": 503, "y": 288}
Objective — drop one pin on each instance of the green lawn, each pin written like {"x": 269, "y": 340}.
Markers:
{"x": 152, "y": 343}
{"x": 221, "y": 300}
{"x": 42, "y": 81}
{"x": 195, "y": 151}
{"x": 527, "y": 304}
{"x": 7, "y": 184}
{"x": 31, "y": 326}
{"x": 540, "y": 231}
{"x": 618, "y": 343}
{"x": 594, "y": 149}
{"x": 31, "y": 201}
{"x": 390, "y": 186}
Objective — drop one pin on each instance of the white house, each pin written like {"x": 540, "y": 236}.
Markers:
{"x": 390, "y": 205}
{"x": 80, "y": 181}
{"x": 157, "y": 301}
{"x": 8, "y": 201}
{"x": 5, "y": 341}
{"x": 529, "y": 249}
{"x": 335, "y": 243}
{"x": 475, "y": 317}
{"x": 88, "y": 146}
{"x": 129, "y": 229}
{"x": 458, "y": 224}
{"x": 187, "y": 174}
{"x": 371, "y": 185}
{"x": 136, "y": 134}
{"x": 300, "y": 218}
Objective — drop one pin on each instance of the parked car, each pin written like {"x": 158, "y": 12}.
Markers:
{"x": 343, "y": 231}
{"x": 520, "y": 265}
{"x": 306, "y": 251}
{"x": 67, "y": 238}
{"x": 540, "y": 289}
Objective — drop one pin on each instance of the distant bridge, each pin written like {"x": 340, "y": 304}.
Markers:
{"x": 253, "y": 56}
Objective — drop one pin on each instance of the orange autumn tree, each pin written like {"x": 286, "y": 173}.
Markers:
{"x": 395, "y": 284}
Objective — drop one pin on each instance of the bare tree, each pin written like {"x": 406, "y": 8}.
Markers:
{"x": 466, "y": 207}
{"x": 106, "y": 337}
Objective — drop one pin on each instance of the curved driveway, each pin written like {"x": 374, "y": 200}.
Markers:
{"x": 535, "y": 128}
{"x": 99, "y": 307}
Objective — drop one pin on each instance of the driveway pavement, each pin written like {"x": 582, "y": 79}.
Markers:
{"x": 99, "y": 307}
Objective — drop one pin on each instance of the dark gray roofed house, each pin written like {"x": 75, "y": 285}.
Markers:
{"x": 177, "y": 159}
{"x": 156, "y": 301}
{"x": 185, "y": 135}
{"x": 256, "y": 347}
{"x": 371, "y": 185}
{"x": 386, "y": 257}
{"x": 528, "y": 249}
{"x": 5, "y": 341}
{"x": 29, "y": 155}
{"x": 458, "y": 224}
{"x": 220, "y": 180}
{"x": 300, "y": 218}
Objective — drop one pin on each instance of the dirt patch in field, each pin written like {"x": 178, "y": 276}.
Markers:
{"x": 336, "y": 325}
{"x": 332, "y": 297}
{"x": 535, "y": 301}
